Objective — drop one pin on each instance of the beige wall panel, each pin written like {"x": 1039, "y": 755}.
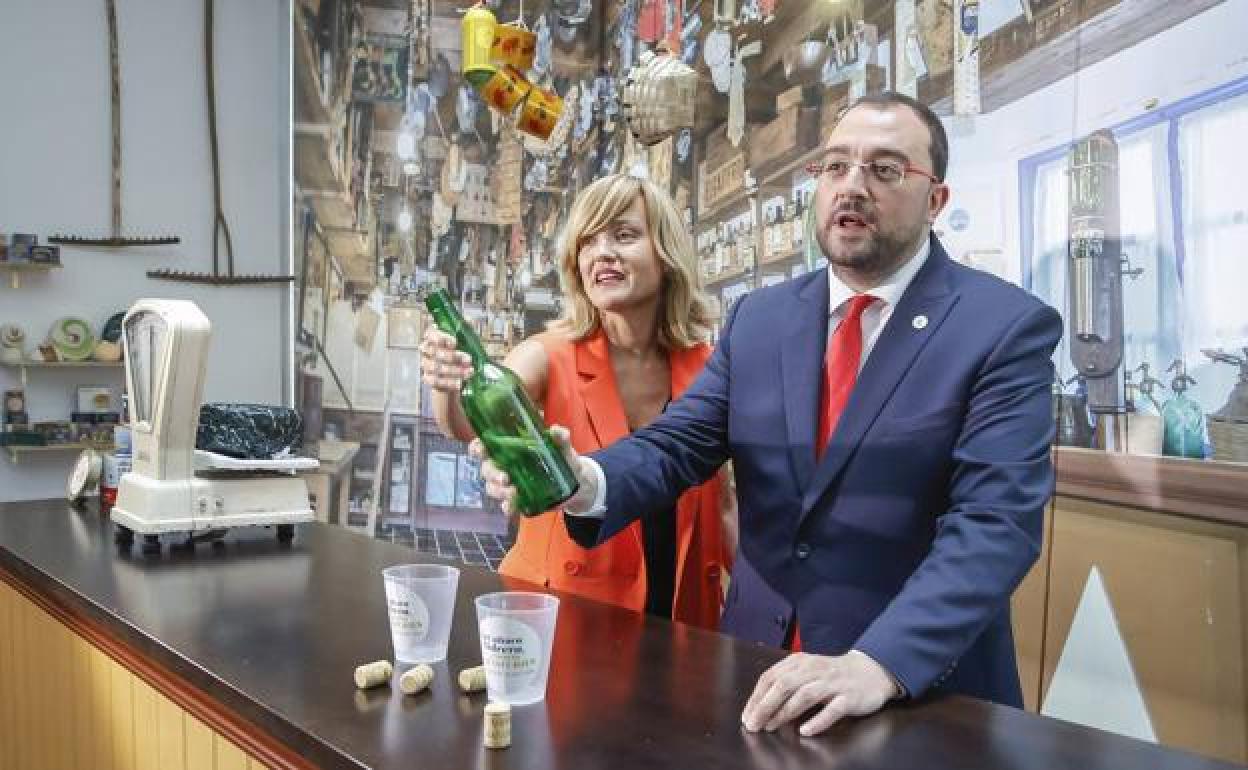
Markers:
{"x": 123, "y": 718}
{"x": 228, "y": 756}
{"x": 101, "y": 699}
{"x": 146, "y": 726}
{"x": 1176, "y": 592}
{"x": 8, "y": 675}
{"x": 61, "y": 714}
{"x": 35, "y": 673}
{"x": 172, "y": 753}
{"x": 199, "y": 754}
{"x": 65, "y": 704}
{"x": 1027, "y": 608}
{"x": 83, "y": 730}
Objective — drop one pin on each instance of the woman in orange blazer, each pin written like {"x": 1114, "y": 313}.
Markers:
{"x": 631, "y": 338}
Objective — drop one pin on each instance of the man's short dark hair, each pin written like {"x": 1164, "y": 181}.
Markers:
{"x": 938, "y": 140}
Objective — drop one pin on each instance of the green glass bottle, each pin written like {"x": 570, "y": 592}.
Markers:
{"x": 1184, "y": 419}
{"x": 505, "y": 418}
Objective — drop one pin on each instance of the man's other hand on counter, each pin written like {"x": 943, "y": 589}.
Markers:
{"x": 846, "y": 685}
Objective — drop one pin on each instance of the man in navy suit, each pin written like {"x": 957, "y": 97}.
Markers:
{"x": 889, "y": 422}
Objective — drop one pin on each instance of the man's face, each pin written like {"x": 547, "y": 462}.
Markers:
{"x": 865, "y": 224}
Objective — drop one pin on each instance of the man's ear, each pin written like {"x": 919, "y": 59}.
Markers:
{"x": 937, "y": 199}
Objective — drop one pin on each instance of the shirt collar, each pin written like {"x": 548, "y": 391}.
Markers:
{"x": 890, "y": 289}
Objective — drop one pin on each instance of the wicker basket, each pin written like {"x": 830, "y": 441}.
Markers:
{"x": 1230, "y": 439}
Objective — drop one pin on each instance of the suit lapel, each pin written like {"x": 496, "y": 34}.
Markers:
{"x": 599, "y": 393}
{"x": 801, "y": 369}
{"x": 930, "y": 296}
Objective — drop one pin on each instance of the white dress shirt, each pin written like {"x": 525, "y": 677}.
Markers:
{"x": 874, "y": 318}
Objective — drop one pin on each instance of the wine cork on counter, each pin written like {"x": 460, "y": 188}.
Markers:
{"x": 373, "y": 674}
{"x": 497, "y": 725}
{"x": 415, "y": 679}
{"x": 472, "y": 679}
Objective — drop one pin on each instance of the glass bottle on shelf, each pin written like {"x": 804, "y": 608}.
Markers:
{"x": 501, "y": 413}
{"x": 1184, "y": 421}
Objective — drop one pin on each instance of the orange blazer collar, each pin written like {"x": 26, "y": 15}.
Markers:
{"x": 602, "y": 395}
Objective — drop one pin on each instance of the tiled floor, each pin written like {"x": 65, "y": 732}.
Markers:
{"x": 481, "y": 549}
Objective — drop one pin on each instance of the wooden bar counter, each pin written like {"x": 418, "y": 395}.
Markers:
{"x": 241, "y": 657}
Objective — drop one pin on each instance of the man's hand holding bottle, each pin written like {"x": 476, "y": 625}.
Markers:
{"x": 498, "y": 486}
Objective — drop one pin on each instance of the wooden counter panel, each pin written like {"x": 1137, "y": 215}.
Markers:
{"x": 1202, "y": 489}
{"x": 1163, "y": 600}
{"x": 65, "y": 704}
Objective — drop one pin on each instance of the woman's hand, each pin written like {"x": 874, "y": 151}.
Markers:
{"x": 442, "y": 366}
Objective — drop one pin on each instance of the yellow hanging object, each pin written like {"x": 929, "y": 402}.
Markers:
{"x": 514, "y": 44}
{"x": 476, "y": 37}
{"x": 506, "y": 88}
{"x": 540, "y": 113}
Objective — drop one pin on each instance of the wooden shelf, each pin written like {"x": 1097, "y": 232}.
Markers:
{"x": 729, "y": 277}
{"x": 62, "y": 364}
{"x": 15, "y": 270}
{"x": 15, "y": 452}
{"x": 774, "y": 175}
{"x": 1200, "y": 489}
{"x": 730, "y": 203}
{"x": 784, "y": 260}
{"x": 24, "y": 365}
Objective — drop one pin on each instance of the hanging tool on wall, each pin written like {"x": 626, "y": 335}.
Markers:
{"x": 219, "y": 225}
{"x": 116, "y": 239}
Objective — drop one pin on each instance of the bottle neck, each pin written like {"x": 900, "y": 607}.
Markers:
{"x": 449, "y": 320}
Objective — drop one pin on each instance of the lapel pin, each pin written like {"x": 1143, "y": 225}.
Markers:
{"x": 919, "y": 322}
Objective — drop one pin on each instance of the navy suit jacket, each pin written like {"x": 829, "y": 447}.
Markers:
{"x": 907, "y": 538}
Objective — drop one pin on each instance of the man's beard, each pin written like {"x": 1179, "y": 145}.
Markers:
{"x": 876, "y": 256}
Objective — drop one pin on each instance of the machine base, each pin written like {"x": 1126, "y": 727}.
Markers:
{"x": 151, "y": 507}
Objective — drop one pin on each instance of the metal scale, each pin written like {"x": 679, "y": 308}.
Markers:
{"x": 172, "y": 486}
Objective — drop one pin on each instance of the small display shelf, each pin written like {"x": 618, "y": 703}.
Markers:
{"x": 24, "y": 365}
{"x": 15, "y": 270}
{"x": 16, "y": 452}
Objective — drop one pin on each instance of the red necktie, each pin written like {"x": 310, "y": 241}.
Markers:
{"x": 840, "y": 369}
{"x": 840, "y": 372}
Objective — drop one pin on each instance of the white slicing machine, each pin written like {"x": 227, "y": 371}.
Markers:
{"x": 172, "y": 486}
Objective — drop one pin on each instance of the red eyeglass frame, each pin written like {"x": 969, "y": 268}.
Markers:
{"x": 816, "y": 168}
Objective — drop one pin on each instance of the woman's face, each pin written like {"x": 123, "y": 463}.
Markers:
{"x": 619, "y": 266}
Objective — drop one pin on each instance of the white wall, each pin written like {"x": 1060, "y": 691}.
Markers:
{"x": 1205, "y": 51}
{"x": 54, "y": 178}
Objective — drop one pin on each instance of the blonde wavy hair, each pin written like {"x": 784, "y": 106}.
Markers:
{"x": 684, "y": 312}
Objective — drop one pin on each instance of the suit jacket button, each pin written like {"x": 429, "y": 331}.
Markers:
{"x": 802, "y": 551}
{"x": 572, "y": 567}
{"x": 712, "y": 572}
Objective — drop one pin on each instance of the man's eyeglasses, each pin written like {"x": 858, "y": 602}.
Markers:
{"x": 890, "y": 173}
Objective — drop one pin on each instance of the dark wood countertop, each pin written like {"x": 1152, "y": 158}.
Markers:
{"x": 272, "y": 633}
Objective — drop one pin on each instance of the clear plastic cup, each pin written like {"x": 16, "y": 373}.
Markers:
{"x": 517, "y": 633}
{"x": 421, "y": 602}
